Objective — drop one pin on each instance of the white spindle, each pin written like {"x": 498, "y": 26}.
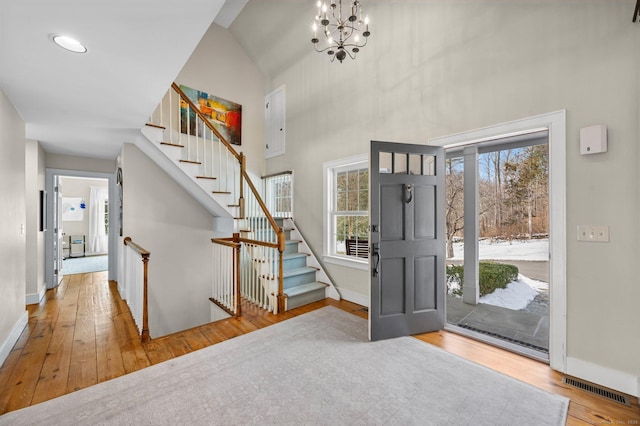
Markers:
{"x": 197, "y": 137}
{"x": 188, "y": 132}
{"x": 220, "y": 165}
{"x": 161, "y": 108}
{"x": 227, "y": 170}
{"x": 211, "y": 160}
{"x": 179, "y": 120}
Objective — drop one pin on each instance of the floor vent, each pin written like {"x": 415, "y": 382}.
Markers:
{"x": 597, "y": 390}
{"x": 364, "y": 309}
{"x": 507, "y": 339}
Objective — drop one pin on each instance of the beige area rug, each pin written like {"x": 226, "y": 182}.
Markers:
{"x": 315, "y": 369}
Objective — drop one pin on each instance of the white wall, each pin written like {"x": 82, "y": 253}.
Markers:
{"x": 70, "y": 162}
{"x": 35, "y": 158}
{"x": 12, "y": 226}
{"x": 161, "y": 217}
{"x": 79, "y": 188}
{"x": 220, "y": 67}
{"x": 434, "y": 68}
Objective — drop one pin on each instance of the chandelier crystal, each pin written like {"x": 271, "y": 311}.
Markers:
{"x": 344, "y": 28}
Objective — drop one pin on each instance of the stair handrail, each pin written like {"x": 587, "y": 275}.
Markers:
{"x": 144, "y": 254}
{"x": 205, "y": 120}
{"x": 280, "y": 297}
{"x": 234, "y": 243}
{"x": 245, "y": 177}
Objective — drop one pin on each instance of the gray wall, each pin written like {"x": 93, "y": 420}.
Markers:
{"x": 434, "y": 68}
{"x": 12, "y": 231}
{"x": 164, "y": 219}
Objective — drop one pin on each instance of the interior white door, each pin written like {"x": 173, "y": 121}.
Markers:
{"x": 58, "y": 237}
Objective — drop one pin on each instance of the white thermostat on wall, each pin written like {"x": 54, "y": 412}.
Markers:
{"x": 593, "y": 139}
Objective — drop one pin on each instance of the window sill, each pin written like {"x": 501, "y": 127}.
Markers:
{"x": 355, "y": 263}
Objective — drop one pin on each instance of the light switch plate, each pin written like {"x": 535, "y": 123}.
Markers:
{"x": 593, "y": 233}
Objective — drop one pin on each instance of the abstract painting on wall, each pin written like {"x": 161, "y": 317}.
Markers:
{"x": 226, "y": 116}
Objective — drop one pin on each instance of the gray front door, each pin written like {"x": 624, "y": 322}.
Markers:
{"x": 407, "y": 239}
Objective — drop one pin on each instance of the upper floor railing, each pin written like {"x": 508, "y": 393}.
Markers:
{"x": 278, "y": 193}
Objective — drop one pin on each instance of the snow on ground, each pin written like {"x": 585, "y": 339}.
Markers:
{"x": 517, "y": 295}
{"x": 507, "y": 250}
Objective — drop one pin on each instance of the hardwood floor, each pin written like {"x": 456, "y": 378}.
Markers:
{"x": 83, "y": 334}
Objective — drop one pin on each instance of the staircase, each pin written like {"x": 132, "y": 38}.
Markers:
{"x": 301, "y": 285}
{"x": 271, "y": 271}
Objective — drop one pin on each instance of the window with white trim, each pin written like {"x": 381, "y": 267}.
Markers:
{"x": 347, "y": 211}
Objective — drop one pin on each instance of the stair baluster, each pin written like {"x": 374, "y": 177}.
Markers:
{"x": 262, "y": 246}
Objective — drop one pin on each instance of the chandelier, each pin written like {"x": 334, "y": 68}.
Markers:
{"x": 345, "y": 30}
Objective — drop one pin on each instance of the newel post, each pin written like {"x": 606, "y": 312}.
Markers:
{"x": 145, "y": 310}
{"x": 281, "y": 296}
{"x": 236, "y": 274}
{"x": 243, "y": 168}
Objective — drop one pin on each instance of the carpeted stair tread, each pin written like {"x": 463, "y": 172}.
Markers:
{"x": 299, "y": 271}
{"x": 293, "y": 255}
{"x": 304, "y": 288}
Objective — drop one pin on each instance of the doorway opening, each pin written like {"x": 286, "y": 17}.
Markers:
{"x": 497, "y": 225}
{"x": 554, "y": 123}
{"x": 84, "y": 224}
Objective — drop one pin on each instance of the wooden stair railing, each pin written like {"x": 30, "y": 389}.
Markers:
{"x": 144, "y": 255}
{"x": 272, "y": 237}
{"x": 259, "y": 213}
{"x": 226, "y": 283}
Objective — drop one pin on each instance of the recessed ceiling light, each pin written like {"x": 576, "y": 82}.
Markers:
{"x": 68, "y": 43}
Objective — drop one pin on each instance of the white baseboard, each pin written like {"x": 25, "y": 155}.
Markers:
{"x": 613, "y": 379}
{"x": 35, "y": 298}
{"x": 14, "y": 335}
{"x": 352, "y": 296}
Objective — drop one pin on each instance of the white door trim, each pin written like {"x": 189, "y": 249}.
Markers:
{"x": 114, "y": 218}
{"x": 555, "y": 122}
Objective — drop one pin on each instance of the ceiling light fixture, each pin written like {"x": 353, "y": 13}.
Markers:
{"x": 345, "y": 34}
{"x": 69, "y": 43}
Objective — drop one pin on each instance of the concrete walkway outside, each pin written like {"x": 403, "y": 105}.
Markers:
{"x": 524, "y": 327}
{"x": 528, "y": 327}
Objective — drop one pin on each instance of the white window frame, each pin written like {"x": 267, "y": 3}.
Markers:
{"x": 330, "y": 169}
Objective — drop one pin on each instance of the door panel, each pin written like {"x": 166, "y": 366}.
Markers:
{"x": 391, "y": 288}
{"x": 424, "y": 212}
{"x": 426, "y": 274}
{"x": 407, "y": 235}
{"x": 391, "y": 214}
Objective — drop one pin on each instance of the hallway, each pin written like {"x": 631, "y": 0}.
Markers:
{"x": 82, "y": 334}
